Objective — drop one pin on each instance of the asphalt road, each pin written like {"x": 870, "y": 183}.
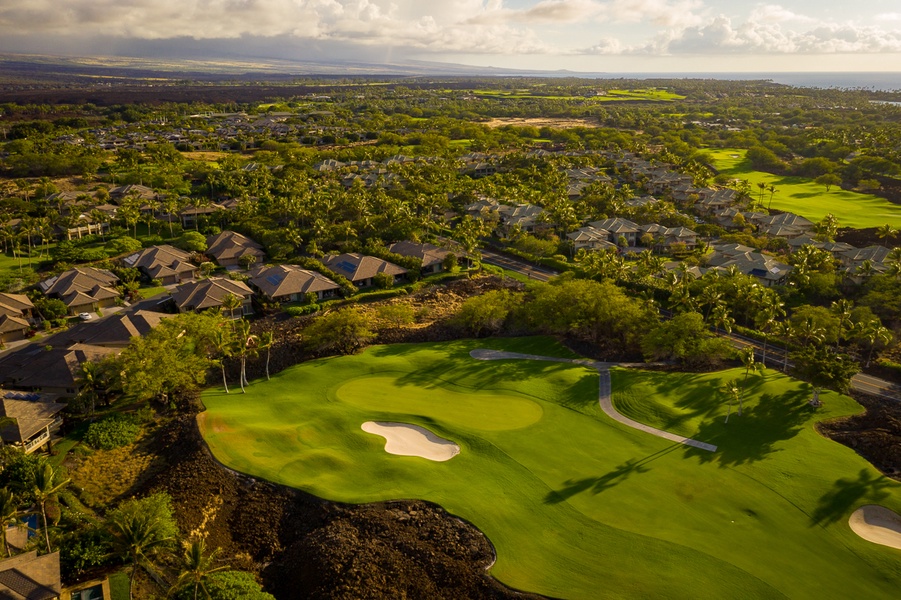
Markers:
{"x": 775, "y": 356}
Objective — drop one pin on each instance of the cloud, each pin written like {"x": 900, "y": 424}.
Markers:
{"x": 663, "y": 13}
{"x": 773, "y": 13}
{"x": 425, "y": 26}
{"x": 766, "y": 36}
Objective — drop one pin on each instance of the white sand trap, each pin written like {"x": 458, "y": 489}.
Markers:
{"x": 877, "y": 524}
{"x": 411, "y": 440}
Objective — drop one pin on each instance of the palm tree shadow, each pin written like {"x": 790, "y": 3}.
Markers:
{"x": 596, "y": 485}
{"x": 755, "y": 434}
{"x": 845, "y": 493}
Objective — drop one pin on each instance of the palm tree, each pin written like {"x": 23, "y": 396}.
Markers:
{"x": 265, "y": 343}
{"x": 885, "y": 232}
{"x": 842, "y": 310}
{"x": 231, "y": 302}
{"x": 746, "y": 355}
{"x": 9, "y": 516}
{"x": 874, "y": 333}
{"x": 46, "y": 486}
{"x": 865, "y": 269}
{"x": 88, "y": 382}
{"x": 244, "y": 345}
{"x": 223, "y": 343}
{"x": 730, "y": 390}
{"x": 721, "y": 317}
{"x": 772, "y": 190}
{"x": 197, "y": 565}
{"x": 137, "y": 536}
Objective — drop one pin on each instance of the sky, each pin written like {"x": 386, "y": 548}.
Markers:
{"x": 579, "y": 35}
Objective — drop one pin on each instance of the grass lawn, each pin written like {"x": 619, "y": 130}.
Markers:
{"x": 810, "y": 200}
{"x": 577, "y": 505}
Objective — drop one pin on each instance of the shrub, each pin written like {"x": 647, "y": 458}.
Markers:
{"x": 122, "y": 245}
{"x": 299, "y": 311}
{"x": 383, "y": 280}
{"x": 112, "y": 432}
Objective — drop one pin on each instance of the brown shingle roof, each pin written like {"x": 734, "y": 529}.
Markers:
{"x": 230, "y": 245}
{"x": 30, "y": 577}
{"x": 357, "y": 267}
{"x": 283, "y": 280}
{"x": 429, "y": 254}
{"x": 208, "y": 293}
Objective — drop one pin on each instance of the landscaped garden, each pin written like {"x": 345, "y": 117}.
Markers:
{"x": 576, "y": 504}
{"x": 804, "y": 197}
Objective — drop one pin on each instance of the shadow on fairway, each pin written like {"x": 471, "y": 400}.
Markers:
{"x": 596, "y": 485}
{"x": 846, "y": 493}
{"x": 753, "y": 435}
{"x": 478, "y": 375}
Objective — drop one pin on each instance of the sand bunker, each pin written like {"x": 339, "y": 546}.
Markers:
{"x": 877, "y": 524}
{"x": 411, "y": 440}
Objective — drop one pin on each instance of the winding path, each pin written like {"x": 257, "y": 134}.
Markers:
{"x": 603, "y": 369}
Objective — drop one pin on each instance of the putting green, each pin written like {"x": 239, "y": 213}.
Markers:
{"x": 484, "y": 411}
{"x": 577, "y": 505}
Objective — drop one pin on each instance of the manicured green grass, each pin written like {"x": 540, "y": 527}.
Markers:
{"x": 578, "y": 505}
{"x": 810, "y": 200}
{"x": 646, "y": 95}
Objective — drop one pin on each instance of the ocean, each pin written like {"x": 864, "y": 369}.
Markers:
{"x": 869, "y": 80}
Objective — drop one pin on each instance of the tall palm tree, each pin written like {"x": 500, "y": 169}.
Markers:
{"x": 197, "y": 565}
{"x": 9, "y": 516}
{"x": 746, "y": 355}
{"x": 731, "y": 391}
{"x": 224, "y": 345}
{"x": 842, "y": 310}
{"x": 244, "y": 346}
{"x": 46, "y": 487}
{"x": 88, "y": 382}
{"x": 265, "y": 343}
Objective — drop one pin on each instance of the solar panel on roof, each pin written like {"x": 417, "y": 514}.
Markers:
{"x": 346, "y": 266}
{"x": 275, "y": 279}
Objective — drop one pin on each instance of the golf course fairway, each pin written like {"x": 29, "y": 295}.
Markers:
{"x": 576, "y": 504}
{"x": 805, "y": 197}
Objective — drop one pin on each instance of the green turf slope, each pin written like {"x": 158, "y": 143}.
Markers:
{"x": 803, "y": 197}
{"x": 577, "y": 505}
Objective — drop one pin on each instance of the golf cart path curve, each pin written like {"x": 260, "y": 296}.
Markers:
{"x": 603, "y": 369}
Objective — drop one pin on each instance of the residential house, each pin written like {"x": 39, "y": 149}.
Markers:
{"x": 619, "y": 228}
{"x": 361, "y": 269}
{"x": 13, "y": 328}
{"x": 167, "y": 264}
{"x": 526, "y": 217}
{"x": 190, "y": 215}
{"x": 35, "y": 418}
{"x": 680, "y": 235}
{"x": 210, "y": 293}
{"x": 874, "y": 255}
{"x": 784, "y": 225}
{"x": 96, "y": 589}
{"x": 30, "y": 577}
{"x": 36, "y": 368}
{"x": 228, "y": 247}
{"x": 290, "y": 283}
{"x": 17, "y": 305}
{"x": 83, "y": 289}
{"x": 766, "y": 270}
{"x": 142, "y": 192}
{"x": 710, "y": 201}
{"x": 591, "y": 238}
{"x": 114, "y": 331}
{"x": 432, "y": 256}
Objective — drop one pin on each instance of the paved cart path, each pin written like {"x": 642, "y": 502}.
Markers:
{"x": 603, "y": 369}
